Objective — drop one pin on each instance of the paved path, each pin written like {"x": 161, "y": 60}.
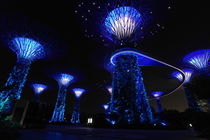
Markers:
{"x": 82, "y": 133}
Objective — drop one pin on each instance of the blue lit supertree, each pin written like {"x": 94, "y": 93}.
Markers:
{"x": 199, "y": 60}
{"x": 192, "y": 103}
{"x": 129, "y": 101}
{"x": 38, "y": 90}
{"x": 75, "y": 119}
{"x": 123, "y": 25}
{"x": 157, "y": 95}
{"x": 64, "y": 81}
{"x": 27, "y": 50}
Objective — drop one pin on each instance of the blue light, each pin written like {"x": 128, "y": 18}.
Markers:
{"x": 106, "y": 106}
{"x": 123, "y": 21}
{"x": 188, "y": 74}
{"x": 157, "y": 94}
{"x": 163, "y": 124}
{"x": 143, "y": 60}
{"x": 78, "y": 92}
{"x": 63, "y": 80}
{"x": 27, "y": 48}
{"x": 198, "y": 59}
{"x": 38, "y": 88}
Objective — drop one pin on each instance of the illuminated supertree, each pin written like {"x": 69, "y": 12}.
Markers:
{"x": 75, "y": 119}
{"x": 122, "y": 22}
{"x": 64, "y": 81}
{"x": 128, "y": 100}
{"x": 123, "y": 25}
{"x": 199, "y": 60}
{"x": 27, "y": 50}
{"x": 38, "y": 90}
{"x": 192, "y": 103}
{"x": 157, "y": 95}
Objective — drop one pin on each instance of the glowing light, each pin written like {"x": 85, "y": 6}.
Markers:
{"x": 143, "y": 60}
{"x": 65, "y": 79}
{"x": 78, "y": 92}
{"x": 198, "y": 59}
{"x": 109, "y": 88}
{"x": 188, "y": 74}
{"x": 163, "y": 124}
{"x": 123, "y": 21}
{"x": 39, "y": 88}
{"x": 105, "y": 106}
{"x": 27, "y": 48}
{"x": 90, "y": 121}
{"x": 157, "y": 93}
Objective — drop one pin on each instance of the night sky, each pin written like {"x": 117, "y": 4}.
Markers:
{"x": 61, "y": 31}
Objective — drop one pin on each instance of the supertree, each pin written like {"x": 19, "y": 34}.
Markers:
{"x": 192, "y": 103}
{"x": 75, "y": 119}
{"x": 123, "y": 25}
{"x": 199, "y": 60}
{"x": 38, "y": 90}
{"x": 157, "y": 95}
{"x": 27, "y": 51}
{"x": 64, "y": 81}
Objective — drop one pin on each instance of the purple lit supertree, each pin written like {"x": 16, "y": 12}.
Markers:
{"x": 192, "y": 103}
{"x": 64, "y": 81}
{"x": 27, "y": 51}
{"x": 38, "y": 90}
{"x": 157, "y": 95}
{"x": 199, "y": 60}
{"x": 75, "y": 119}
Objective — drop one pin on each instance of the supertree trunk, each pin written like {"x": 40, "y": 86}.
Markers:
{"x": 192, "y": 102}
{"x": 58, "y": 114}
{"x": 75, "y": 119}
{"x": 129, "y": 100}
{"x": 159, "y": 106}
{"x": 14, "y": 86}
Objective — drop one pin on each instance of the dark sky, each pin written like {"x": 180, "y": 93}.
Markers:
{"x": 56, "y": 26}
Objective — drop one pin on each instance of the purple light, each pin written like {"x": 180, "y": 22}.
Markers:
{"x": 38, "y": 88}
{"x": 198, "y": 59}
{"x": 78, "y": 92}
{"x": 157, "y": 94}
{"x": 188, "y": 74}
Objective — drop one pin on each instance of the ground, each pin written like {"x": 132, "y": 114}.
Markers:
{"x": 82, "y": 133}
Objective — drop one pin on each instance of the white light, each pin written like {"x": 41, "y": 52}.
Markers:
{"x": 90, "y": 120}
{"x": 110, "y": 90}
{"x": 190, "y": 125}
